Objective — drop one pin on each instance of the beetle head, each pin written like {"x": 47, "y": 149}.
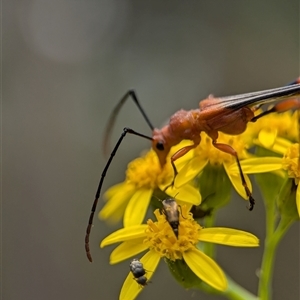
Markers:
{"x": 160, "y": 146}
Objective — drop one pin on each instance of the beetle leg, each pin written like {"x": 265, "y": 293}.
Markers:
{"x": 111, "y": 121}
{"x": 228, "y": 149}
{"x": 97, "y": 196}
{"x": 181, "y": 152}
{"x": 292, "y": 103}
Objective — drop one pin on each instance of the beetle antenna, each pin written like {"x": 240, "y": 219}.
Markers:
{"x": 94, "y": 206}
{"x": 132, "y": 95}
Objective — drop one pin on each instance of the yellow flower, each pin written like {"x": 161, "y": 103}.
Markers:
{"x": 161, "y": 242}
{"x": 273, "y": 132}
{"x": 289, "y": 162}
{"x": 190, "y": 167}
{"x": 144, "y": 175}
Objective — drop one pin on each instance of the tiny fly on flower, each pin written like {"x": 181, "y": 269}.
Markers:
{"x": 170, "y": 210}
{"x": 229, "y": 115}
{"x": 138, "y": 271}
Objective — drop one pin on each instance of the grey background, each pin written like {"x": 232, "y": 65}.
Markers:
{"x": 65, "y": 65}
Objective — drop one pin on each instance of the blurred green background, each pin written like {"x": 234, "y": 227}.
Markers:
{"x": 65, "y": 64}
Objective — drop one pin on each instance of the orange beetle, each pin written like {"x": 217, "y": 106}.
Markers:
{"x": 225, "y": 114}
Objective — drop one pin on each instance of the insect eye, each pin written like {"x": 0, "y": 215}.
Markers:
{"x": 160, "y": 146}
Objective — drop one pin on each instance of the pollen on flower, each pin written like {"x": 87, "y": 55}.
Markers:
{"x": 290, "y": 162}
{"x": 146, "y": 172}
{"x": 216, "y": 157}
{"x": 161, "y": 237}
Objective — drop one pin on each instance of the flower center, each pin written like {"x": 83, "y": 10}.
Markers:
{"x": 162, "y": 239}
{"x": 290, "y": 162}
{"x": 146, "y": 172}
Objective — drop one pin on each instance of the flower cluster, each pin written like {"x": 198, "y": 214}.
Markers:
{"x": 203, "y": 182}
{"x": 159, "y": 239}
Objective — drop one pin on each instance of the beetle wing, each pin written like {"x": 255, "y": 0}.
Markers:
{"x": 249, "y": 99}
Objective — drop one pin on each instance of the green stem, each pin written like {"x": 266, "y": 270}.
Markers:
{"x": 271, "y": 244}
{"x": 209, "y": 248}
{"x": 233, "y": 292}
{"x": 270, "y": 207}
{"x": 237, "y": 292}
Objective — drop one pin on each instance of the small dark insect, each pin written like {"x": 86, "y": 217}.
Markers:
{"x": 229, "y": 115}
{"x": 199, "y": 213}
{"x": 170, "y": 209}
{"x": 138, "y": 271}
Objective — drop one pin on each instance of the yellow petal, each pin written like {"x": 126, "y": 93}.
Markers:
{"x": 190, "y": 171}
{"x": 189, "y": 194}
{"x": 277, "y": 148}
{"x": 115, "y": 206}
{"x": 137, "y": 207}
{"x": 283, "y": 142}
{"x": 206, "y": 269}
{"x": 267, "y": 137}
{"x": 186, "y": 193}
{"x": 281, "y": 145}
{"x": 131, "y": 288}
{"x": 127, "y": 250}
{"x": 118, "y": 189}
{"x": 257, "y": 165}
{"x": 236, "y": 181}
{"x": 228, "y": 236}
{"x": 124, "y": 234}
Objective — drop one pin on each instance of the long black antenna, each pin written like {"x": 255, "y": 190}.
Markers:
{"x": 90, "y": 223}
{"x": 110, "y": 124}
